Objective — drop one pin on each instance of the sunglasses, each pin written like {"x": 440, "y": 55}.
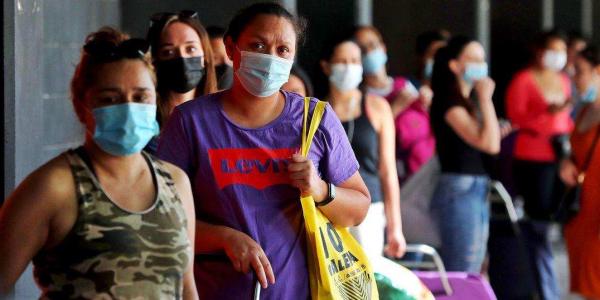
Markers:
{"x": 107, "y": 51}
{"x": 160, "y": 18}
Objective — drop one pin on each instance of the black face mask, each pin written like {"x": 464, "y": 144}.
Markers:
{"x": 179, "y": 74}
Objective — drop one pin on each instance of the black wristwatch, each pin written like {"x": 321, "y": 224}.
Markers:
{"x": 330, "y": 195}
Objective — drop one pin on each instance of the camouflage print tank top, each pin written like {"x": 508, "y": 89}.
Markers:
{"x": 111, "y": 253}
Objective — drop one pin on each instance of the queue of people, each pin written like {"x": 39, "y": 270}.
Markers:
{"x": 188, "y": 181}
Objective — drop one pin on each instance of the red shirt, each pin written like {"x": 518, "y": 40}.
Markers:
{"x": 529, "y": 111}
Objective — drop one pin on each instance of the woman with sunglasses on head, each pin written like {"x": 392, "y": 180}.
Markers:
{"x": 369, "y": 125}
{"x": 105, "y": 220}
{"x": 184, "y": 61}
{"x": 464, "y": 130}
{"x": 240, "y": 147}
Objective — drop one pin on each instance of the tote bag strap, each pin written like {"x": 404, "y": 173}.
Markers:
{"x": 309, "y": 133}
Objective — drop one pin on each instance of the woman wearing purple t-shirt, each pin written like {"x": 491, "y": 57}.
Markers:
{"x": 240, "y": 149}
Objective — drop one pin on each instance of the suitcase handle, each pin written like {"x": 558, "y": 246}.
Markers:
{"x": 437, "y": 260}
{"x": 507, "y": 199}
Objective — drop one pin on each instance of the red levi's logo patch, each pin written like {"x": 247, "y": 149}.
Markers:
{"x": 256, "y": 167}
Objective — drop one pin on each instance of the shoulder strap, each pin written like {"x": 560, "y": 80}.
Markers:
{"x": 161, "y": 176}
{"x": 82, "y": 173}
{"x": 309, "y": 133}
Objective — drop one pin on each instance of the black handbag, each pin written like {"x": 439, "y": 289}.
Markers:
{"x": 570, "y": 202}
{"x": 561, "y": 146}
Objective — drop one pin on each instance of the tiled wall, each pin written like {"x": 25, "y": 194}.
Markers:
{"x": 65, "y": 24}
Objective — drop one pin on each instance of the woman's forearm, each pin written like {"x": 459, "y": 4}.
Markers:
{"x": 391, "y": 198}
{"x": 350, "y": 205}
{"x": 210, "y": 237}
{"x": 490, "y": 129}
{"x": 190, "y": 291}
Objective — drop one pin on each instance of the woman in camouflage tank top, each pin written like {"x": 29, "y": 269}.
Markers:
{"x": 105, "y": 221}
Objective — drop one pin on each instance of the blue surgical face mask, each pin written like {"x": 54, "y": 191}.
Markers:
{"x": 374, "y": 61}
{"x": 262, "y": 75}
{"x": 125, "y": 129}
{"x": 428, "y": 70}
{"x": 346, "y": 76}
{"x": 590, "y": 95}
{"x": 475, "y": 71}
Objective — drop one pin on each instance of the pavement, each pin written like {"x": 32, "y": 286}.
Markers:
{"x": 562, "y": 264}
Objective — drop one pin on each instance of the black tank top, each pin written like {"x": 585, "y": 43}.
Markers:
{"x": 456, "y": 156}
{"x": 365, "y": 143}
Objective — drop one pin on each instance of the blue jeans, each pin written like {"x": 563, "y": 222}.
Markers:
{"x": 461, "y": 210}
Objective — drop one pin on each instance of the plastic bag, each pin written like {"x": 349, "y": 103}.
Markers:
{"x": 396, "y": 282}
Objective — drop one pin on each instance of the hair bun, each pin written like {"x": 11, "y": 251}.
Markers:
{"x": 107, "y": 34}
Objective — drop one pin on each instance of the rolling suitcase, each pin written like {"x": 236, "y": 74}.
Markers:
{"x": 508, "y": 253}
{"x": 449, "y": 285}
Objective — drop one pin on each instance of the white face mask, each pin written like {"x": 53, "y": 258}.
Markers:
{"x": 554, "y": 60}
{"x": 346, "y": 76}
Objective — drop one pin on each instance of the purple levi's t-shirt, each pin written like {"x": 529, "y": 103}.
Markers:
{"x": 239, "y": 180}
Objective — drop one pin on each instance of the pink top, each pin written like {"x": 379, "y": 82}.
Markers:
{"x": 414, "y": 137}
{"x": 400, "y": 83}
{"x": 529, "y": 111}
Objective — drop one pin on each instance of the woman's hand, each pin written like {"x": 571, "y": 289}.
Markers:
{"x": 304, "y": 176}
{"x": 568, "y": 172}
{"x": 425, "y": 95}
{"x": 484, "y": 89}
{"x": 396, "y": 244}
{"x": 555, "y": 108}
{"x": 245, "y": 253}
{"x": 506, "y": 128}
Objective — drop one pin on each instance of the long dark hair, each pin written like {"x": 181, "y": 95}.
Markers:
{"x": 591, "y": 55}
{"x": 208, "y": 84}
{"x": 327, "y": 50}
{"x": 444, "y": 83}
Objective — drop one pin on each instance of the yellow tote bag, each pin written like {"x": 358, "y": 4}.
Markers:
{"x": 337, "y": 265}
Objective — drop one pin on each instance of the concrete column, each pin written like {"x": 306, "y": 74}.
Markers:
{"x": 483, "y": 29}
{"x": 364, "y": 12}
{"x": 290, "y": 5}
{"x": 587, "y": 16}
{"x": 8, "y": 94}
{"x": 547, "y": 14}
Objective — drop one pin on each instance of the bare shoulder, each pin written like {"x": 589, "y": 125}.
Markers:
{"x": 183, "y": 186}
{"x": 377, "y": 104}
{"x": 178, "y": 175}
{"x": 458, "y": 117}
{"x": 54, "y": 178}
{"x": 49, "y": 187}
